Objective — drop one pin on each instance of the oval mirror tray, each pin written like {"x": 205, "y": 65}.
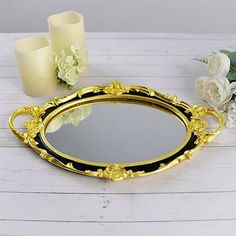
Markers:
{"x": 116, "y": 131}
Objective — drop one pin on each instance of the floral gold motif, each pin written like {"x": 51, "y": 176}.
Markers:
{"x": 116, "y": 172}
{"x": 199, "y": 126}
{"x": 33, "y": 126}
{"x": 116, "y": 88}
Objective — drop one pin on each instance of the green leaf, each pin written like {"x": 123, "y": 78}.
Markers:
{"x": 63, "y": 83}
{"x": 232, "y": 57}
{"x": 231, "y": 76}
{"x": 227, "y": 52}
{"x": 232, "y": 67}
{"x": 202, "y": 59}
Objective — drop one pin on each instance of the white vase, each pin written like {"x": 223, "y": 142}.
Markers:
{"x": 66, "y": 29}
{"x": 36, "y": 66}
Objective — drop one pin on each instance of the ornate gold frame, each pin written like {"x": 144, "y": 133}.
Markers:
{"x": 190, "y": 115}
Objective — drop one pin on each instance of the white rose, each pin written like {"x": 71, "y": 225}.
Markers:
{"x": 199, "y": 85}
{"x": 218, "y": 64}
{"x": 230, "y": 115}
{"x": 218, "y": 91}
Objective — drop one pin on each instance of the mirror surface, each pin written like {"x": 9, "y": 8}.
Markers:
{"x": 115, "y": 132}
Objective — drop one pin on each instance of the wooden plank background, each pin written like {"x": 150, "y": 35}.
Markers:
{"x": 197, "y": 197}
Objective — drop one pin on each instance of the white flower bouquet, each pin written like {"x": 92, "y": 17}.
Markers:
{"x": 70, "y": 67}
{"x": 73, "y": 117}
{"x": 218, "y": 89}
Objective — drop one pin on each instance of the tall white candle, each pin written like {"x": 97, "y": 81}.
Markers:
{"x": 36, "y": 66}
{"x": 66, "y": 29}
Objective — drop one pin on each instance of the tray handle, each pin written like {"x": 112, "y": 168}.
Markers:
{"x": 33, "y": 126}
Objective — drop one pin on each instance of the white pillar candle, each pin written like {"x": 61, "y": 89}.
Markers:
{"x": 66, "y": 29}
{"x": 36, "y": 66}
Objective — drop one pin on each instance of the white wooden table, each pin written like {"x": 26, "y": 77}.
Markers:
{"x": 197, "y": 197}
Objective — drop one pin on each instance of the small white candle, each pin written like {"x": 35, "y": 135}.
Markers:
{"x": 36, "y": 66}
{"x": 66, "y": 29}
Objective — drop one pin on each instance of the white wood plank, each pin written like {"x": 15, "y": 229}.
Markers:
{"x": 127, "y": 35}
{"x": 115, "y": 207}
{"x": 140, "y": 35}
{"x": 161, "y": 82}
{"x": 186, "y": 228}
{"x": 8, "y": 37}
{"x": 210, "y": 170}
{"x": 145, "y": 46}
{"x": 117, "y": 60}
{"x": 134, "y": 71}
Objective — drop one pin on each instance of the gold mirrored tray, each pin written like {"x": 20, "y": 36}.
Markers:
{"x": 116, "y": 131}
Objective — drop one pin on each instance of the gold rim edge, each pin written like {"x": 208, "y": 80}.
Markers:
{"x": 116, "y": 172}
